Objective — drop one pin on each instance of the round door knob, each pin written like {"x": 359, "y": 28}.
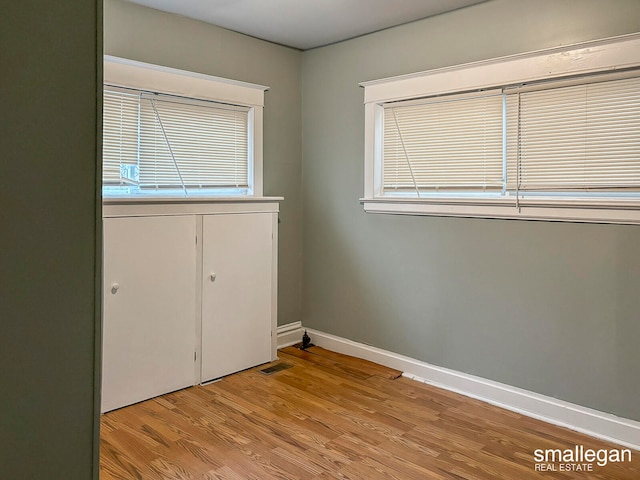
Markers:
{"x": 114, "y": 288}
{"x": 212, "y": 277}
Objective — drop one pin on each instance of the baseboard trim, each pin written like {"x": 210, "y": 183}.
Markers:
{"x": 585, "y": 420}
{"x": 289, "y": 334}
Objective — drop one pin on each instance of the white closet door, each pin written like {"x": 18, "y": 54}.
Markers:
{"x": 149, "y": 307}
{"x": 236, "y": 293}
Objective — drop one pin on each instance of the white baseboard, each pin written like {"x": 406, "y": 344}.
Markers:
{"x": 290, "y": 334}
{"x": 585, "y": 420}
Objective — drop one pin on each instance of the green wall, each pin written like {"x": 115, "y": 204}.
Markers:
{"x": 549, "y": 307}
{"x": 147, "y": 35}
{"x": 49, "y": 268}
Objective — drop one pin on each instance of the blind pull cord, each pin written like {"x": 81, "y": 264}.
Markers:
{"x": 164, "y": 134}
{"x": 406, "y": 155}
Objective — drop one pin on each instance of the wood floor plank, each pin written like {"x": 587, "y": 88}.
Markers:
{"x": 327, "y": 364}
{"x": 365, "y": 366}
{"x": 332, "y": 416}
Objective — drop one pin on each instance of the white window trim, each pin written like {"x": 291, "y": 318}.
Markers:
{"x": 605, "y": 55}
{"x": 123, "y": 72}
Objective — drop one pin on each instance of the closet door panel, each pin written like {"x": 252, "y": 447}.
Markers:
{"x": 236, "y": 292}
{"x": 149, "y": 307}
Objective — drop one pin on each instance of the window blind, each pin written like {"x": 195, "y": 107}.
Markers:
{"x": 446, "y": 143}
{"x": 120, "y": 138}
{"x": 574, "y": 138}
{"x": 199, "y": 146}
{"x": 168, "y": 143}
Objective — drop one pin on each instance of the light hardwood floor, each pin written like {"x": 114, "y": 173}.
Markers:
{"x": 331, "y": 416}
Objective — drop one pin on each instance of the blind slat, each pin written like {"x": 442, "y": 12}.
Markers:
{"x": 120, "y": 138}
{"x": 452, "y": 144}
{"x": 578, "y": 137}
{"x": 164, "y": 143}
{"x": 558, "y": 137}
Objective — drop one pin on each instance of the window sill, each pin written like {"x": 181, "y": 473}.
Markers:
{"x": 566, "y": 210}
{"x": 114, "y": 200}
{"x": 134, "y": 207}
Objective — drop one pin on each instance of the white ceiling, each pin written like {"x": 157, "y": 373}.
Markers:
{"x": 305, "y": 24}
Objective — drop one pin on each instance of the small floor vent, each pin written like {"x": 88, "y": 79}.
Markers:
{"x": 275, "y": 368}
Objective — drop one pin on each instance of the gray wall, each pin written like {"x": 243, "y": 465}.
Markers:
{"x": 147, "y": 35}
{"x": 49, "y": 273}
{"x": 549, "y": 307}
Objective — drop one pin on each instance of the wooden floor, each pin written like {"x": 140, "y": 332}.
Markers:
{"x": 331, "y": 416}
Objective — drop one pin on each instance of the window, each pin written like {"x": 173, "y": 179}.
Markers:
{"x": 552, "y": 135}
{"x": 182, "y": 134}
